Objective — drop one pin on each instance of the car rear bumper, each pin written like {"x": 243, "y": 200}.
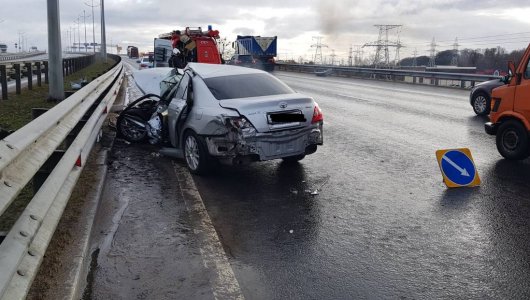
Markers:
{"x": 491, "y": 128}
{"x": 268, "y": 146}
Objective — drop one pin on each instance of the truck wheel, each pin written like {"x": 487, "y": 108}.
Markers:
{"x": 196, "y": 153}
{"x": 481, "y": 104}
{"x": 512, "y": 140}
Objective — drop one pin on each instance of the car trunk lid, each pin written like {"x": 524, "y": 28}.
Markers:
{"x": 273, "y": 113}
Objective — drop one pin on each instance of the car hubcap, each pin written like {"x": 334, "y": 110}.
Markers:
{"x": 480, "y": 104}
{"x": 510, "y": 140}
{"x": 192, "y": 152}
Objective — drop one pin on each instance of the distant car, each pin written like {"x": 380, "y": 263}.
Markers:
{"x": 480, "y": 96}
{"x": 145, "y": 63}
{"x": 244, "y": 61}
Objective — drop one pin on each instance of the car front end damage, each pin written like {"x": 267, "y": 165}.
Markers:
{"x": 242, "y": 143}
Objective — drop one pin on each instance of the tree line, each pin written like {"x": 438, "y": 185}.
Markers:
{"x": 482, "y": 59}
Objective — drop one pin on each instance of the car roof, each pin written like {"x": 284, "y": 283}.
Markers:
{"x": 215, "y": 70}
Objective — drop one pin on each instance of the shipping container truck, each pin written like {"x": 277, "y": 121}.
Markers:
{"x": 259, "y": 50}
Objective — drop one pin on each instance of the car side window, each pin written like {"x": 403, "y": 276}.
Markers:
{"x": 183, "y": 85}
{"x": 527, "y": 71}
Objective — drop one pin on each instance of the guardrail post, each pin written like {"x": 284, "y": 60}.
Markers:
{"x": 45, "y": 72}
{"x": 3, "y": 81}
{"x": 472, "y": 83}
{"x": 29, "y": 68}
{"x": 17, "y": 78}
{"x": 39, "y": 73}
{"x": 414, "y": 79}
{"x": 436, "y": 82}
{"x": 462, "y": 84}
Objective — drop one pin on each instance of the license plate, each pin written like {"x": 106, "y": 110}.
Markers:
{"x": 285, "y": 117}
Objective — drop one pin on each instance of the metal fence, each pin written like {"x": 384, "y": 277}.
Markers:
{"x": 18, "y": 70}
{"x": 24, "y": 152}
{"x": 461, "y": 80}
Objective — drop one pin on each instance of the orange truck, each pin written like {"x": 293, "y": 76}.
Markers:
{"x": 510, "y": 112}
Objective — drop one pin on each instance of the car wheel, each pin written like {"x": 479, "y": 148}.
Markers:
{"x": 481, "y": 104}
{"x": 196, "y": 154}
{"x": 128, "y": 129}
{"x": 293, "y": 159}
{"x": 512, "y": 140}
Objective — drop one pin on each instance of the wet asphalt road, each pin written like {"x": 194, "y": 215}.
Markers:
{"x": 383, "y": 224}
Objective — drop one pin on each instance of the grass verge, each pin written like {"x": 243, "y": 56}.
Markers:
{"x": 16, "y": 112}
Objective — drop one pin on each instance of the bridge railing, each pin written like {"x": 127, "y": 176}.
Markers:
{"x": 24, "y": 152}
{"x": 18, "y": 70}
{"x": 462, "y": 80}
{"x": 13, "y": 56}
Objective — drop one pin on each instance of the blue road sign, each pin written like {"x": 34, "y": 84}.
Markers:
{"x": 458, "y": 167}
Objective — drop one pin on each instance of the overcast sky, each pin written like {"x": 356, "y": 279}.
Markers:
{"x": 341, "y": 23}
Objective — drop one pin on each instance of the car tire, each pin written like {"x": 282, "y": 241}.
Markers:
{"x": 132, "y": 134}
{"x": 512, "y": 140}
{"x": 293, "y": 159}
{"x": 196, "y": 153}
{"x": 481, "y": 104}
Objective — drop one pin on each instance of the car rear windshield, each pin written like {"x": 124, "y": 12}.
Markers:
{"x": 245, "y": 86}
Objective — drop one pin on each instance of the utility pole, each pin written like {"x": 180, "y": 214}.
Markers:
{"x": 78, "y": 34}
{"x": 382, "y": 45}
{"x": 318, "y": 50}
{"x": 93, "y": 30}
{"x": 55, "y": 57}
{"x": 350, "y": 56}
{"x": 432, "y": 51}
{"x": 358, "y": 55}
{"x": 103, "y": 41}
{"x": 454, "y": 59}
{"x": 84, "y": 21}
{"x": 333, "y": 55}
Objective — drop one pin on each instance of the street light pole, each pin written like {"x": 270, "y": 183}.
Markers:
{"x": 103, "y": 41}
{"x": 93, "y": 29}
{"x": 78, "y": 33}
{"x": 55, "y": 57}
{"x": 84, "y": 20}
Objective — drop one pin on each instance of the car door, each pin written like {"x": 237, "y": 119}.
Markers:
{"x": 176, "y": 108}
{"x": 522, "y": 93}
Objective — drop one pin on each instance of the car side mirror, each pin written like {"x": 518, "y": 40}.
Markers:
{"x": 511, "y": 72}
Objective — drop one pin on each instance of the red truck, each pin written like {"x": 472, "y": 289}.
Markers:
{"x": 510, "y": 112}
{"x": 198, "y": 46}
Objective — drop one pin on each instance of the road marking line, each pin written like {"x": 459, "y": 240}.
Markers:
{"x": 225, "y": 284}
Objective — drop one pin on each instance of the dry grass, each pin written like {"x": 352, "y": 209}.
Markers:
{"x": 16, "y": 112}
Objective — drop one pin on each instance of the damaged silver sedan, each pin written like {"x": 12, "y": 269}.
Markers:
{"x": 231, "y": 114}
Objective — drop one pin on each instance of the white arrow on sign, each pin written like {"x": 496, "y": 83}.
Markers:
{"x": 462, "y": 171}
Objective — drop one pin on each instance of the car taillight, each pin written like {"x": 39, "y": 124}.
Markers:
{"x": 317, "y": 115}
{"x": 143, "y": 65}
{"x": 243, "y": 126}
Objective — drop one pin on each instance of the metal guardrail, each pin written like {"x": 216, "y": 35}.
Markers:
{"x": 18, "y": 70}
{"x": 416, "y": 77}
{"x": 25, "y": 151}
{"x": 14, "y": 56}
